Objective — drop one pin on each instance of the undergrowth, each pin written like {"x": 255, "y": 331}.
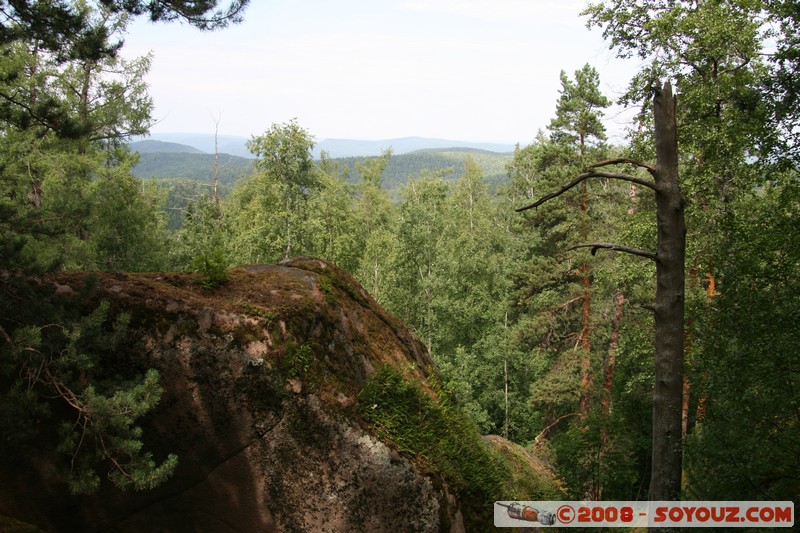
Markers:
{"x": 212, "y": 265}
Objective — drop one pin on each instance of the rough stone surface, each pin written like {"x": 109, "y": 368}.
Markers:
{"x": 261, "y": 378}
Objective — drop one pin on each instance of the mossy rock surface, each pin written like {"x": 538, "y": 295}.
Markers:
{"x": 263, "y": 403}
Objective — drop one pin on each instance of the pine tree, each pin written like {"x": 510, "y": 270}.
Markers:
{"x": 47, "y": 366}
{"x": 67, "y": 198}
{"x": 71, "y": 200}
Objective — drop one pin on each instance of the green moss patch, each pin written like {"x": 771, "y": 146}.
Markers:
{"x": 326, "y": 285}
{"x": 268, "y": 316}
{"x": 440, "y": 437}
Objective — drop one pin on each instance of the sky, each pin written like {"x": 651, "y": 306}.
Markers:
{"x": 363, "y": 69}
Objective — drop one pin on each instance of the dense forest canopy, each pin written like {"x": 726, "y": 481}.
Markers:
{"x": 547, "y": 346}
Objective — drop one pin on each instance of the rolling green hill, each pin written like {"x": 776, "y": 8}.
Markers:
{"x": 196, "y": 166}
{"x": 403, "y": 166}
{"x": 335, "y": 148}
{"x": 339, "y": 148}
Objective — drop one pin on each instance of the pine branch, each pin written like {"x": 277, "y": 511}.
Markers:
{"x": 624, "y": 177}
{"x": 616, "y": 247}
{"x": 585, "y": 176}
{"x": 621, "y": 160}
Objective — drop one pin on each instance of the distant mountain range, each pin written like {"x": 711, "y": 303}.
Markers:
{"x": 335, "y": 148}
{"x": 148, "y": 146}
{"x": 227, "y": 144}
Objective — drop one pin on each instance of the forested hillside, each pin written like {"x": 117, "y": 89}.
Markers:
{"x": 450, "y": 161}
{"x": 185, "y": 174}
{"x": 196, "y": 166}
{"x": 335, "y": 148}
{"x": 548, "y": 344}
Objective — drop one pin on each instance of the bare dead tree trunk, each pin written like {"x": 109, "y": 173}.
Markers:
{"x": 288, "y": 251}
{"x": 505, "y": 377}
{"x": 665, "y": 483}
{"x": 216, "y": 162}
{"x": 544, "y": 432}
{"x": 667, "y": 453}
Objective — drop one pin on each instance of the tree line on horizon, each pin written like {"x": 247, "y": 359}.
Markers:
{"x": 547, "y": 346}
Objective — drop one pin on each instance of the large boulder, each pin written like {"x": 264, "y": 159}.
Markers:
{"x": 261, "y": 380}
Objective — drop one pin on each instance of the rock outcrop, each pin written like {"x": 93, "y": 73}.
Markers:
{"x": 261, "y": 380}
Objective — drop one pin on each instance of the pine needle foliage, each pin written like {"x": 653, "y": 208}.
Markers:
{"x": 57, "y": 373}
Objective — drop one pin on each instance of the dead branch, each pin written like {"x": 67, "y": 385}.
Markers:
{"x": 65, "y": 393}
{"x": 585, "y": 176}
{"x": 551, "y": 426}
{"x": 616, "y": 247}
{"x": 622, "y": 160}
{"x": 567, "y": 304}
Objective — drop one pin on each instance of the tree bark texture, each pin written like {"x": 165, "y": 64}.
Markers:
{"x": 667, "y": 456}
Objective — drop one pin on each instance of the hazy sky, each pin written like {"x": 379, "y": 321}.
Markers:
{"x": 366, "y": 69}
